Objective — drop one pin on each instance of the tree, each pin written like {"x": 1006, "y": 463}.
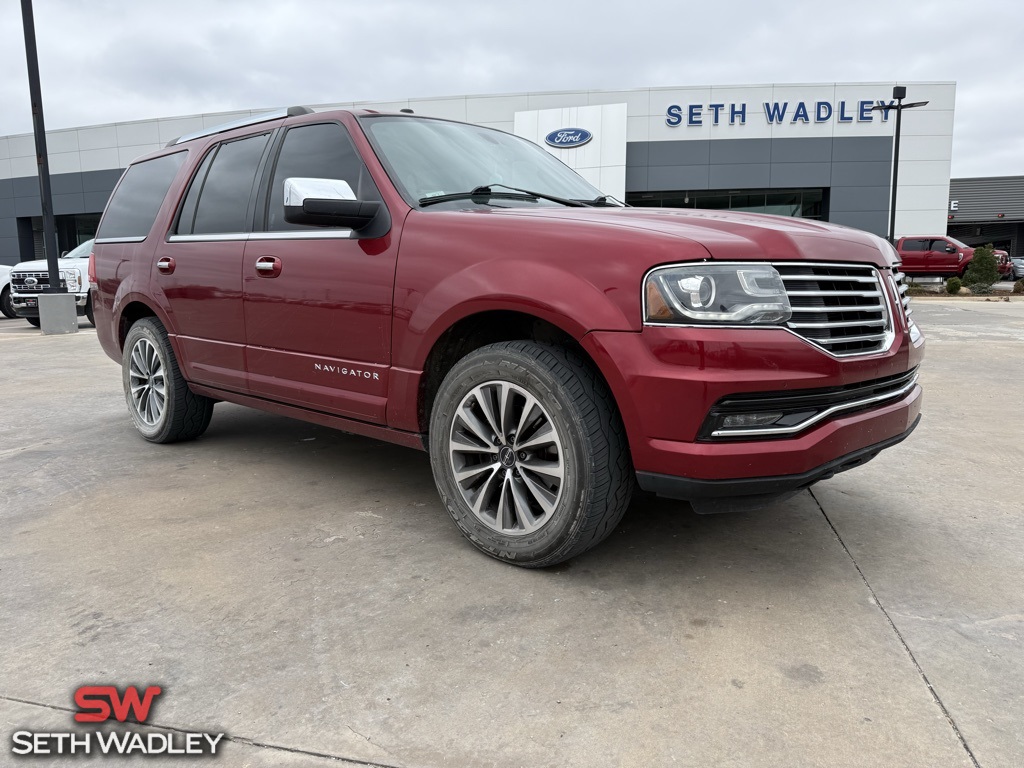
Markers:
{"x": 982, "y": 272}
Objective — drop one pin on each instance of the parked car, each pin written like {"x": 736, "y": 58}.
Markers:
{"x": 1003, "y": 265}
{"x": 934, "y": 256}
{"x": 6, "y": 307}
{"x": 30, "y": 278}
{"x": 456, "y": 289}
{"x": 1018, "y": 267}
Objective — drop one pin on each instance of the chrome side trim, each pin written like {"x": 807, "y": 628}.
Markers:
{"x": 225, "y": 237}
{"x": 103, "y": 240}
{"x": 304, "y": 234}
{"x": 817, "y": 417}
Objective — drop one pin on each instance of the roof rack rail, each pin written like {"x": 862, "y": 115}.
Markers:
{"x": 263, "y": 117}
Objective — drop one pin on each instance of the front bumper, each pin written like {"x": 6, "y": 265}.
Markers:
{"x": 667, "y": 380}
{"x": 708, "y": 496}
{"x": 28, "y": 305}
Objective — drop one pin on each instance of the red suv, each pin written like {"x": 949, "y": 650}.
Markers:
{"x": 457, "y": 289}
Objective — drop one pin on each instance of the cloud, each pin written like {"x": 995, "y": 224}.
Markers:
{"x": 126, "y": 60}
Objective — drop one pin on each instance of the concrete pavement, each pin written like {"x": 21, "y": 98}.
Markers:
{"x": 303, "y": 591}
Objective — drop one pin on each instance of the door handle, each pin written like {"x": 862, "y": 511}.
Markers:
{"x": 268, "y": 266}
{"x": 165, "y": 264}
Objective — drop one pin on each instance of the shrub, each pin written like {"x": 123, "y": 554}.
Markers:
{"x": 1018, "y": 287}
{"x": 980, "y": 289}
{"x": 953, "y": 285}
{"x": 983, "y": 271}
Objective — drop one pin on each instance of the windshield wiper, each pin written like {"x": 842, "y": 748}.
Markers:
{"x": 485, "y": 191}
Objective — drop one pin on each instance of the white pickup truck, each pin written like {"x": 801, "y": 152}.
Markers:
{"x": 31, "y": 278}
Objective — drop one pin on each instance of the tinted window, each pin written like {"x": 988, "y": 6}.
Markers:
{"x": 225, "y": 193}
{"x": 940, "y": 245}
{"x": 322, "y": 151}
{"x": 136, "y": 201}
{"x": 188, "y": 208}
{"x": 915, "y": 245}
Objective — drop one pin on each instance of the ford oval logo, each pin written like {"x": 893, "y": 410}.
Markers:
{"x": 30, "y": 281}
{"x": 567, "y": 138}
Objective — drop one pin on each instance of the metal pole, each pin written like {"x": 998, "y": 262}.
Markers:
{"x": 49, "y": 228}
{"x": 895, "y": 172}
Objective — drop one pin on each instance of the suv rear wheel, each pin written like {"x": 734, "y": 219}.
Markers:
{"x": 162, "y": 406}
{"x": 529, "y": 453}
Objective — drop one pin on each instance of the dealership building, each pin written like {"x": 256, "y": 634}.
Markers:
{"x": 817, "y": 151}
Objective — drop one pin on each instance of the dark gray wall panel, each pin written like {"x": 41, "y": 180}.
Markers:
{"x": 677, "y": 177}
{"x": 26, "y": 186}
{"x": 679, "y": 153}
{"x": 859, "y": 198}
{"x": 6, "y": 208}
{"x": 637, "y": 153}
{"x": 816, "y": 150}
{"x": 801, "y": 175}
{"x": 9, "y": 227}
{"x": 74, "y": 203}
{"x": 100, "y": 181}
{"x": 862, "y": 148}
{"x": 27, "y": 206}
{"x": 636, "y": 178}
{"x": 870, "y": 221}
{"x": 6, "y": 188}
{"x": 863, "y": 174}
{"x": 733, "y": 152}
{"x": 743, "y": 176}
{"x": 95, "y": 202}
{"x": 66, "y": 183}
{"x": 9, "y": 251}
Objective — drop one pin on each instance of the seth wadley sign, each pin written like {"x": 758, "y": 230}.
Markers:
{"x": 776, "y": 112}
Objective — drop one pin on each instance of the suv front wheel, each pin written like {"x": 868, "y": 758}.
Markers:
{"x": 161, "y": 405}
{"x": 529, "y": 453}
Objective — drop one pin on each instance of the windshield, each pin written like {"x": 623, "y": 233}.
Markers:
{"x": 428, "y": 158}
{"x": 81, "y": 252}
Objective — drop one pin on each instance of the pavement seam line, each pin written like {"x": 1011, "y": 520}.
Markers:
{"x": 232, "y": 739}
{"x": 899, "y": 636}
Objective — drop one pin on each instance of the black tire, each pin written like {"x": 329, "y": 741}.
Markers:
{"x": 7, "y": 303}
{"x": 88, "y": 312}
{"x": 32, "y": 321}
{"x": 163, "y": 408}
{"x": 531, "y": 526}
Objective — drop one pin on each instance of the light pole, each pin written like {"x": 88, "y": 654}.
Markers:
{"x": 899, "y": 92}
{"x": 57, "y": 312}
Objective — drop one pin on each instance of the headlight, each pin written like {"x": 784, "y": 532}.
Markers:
{"x": 741, "y": 294}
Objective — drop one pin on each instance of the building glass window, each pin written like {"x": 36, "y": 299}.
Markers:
{"x": 799, "y": 203}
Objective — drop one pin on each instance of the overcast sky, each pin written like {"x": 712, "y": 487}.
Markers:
{"x": 104, "y": 61}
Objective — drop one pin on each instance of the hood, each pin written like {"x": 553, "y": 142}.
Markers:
{"x": 729, "y": 235}
{"x": 39, "y": 265}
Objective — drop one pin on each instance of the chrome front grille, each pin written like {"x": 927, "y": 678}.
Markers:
{"x": 841, "y": 308}
{"x": 900, "y": 281}
{"x": 42, "y": 279}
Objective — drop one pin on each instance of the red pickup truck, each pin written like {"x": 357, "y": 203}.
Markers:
{"x": 458, "y": 290}
{"x": 934, "y": 256}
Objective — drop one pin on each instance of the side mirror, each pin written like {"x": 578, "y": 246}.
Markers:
{"x": 950, "y": 248}
{"x": 64, "y": 253}
{"x": 332, "y": 203}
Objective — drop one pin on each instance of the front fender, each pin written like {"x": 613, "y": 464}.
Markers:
{"x": 546, "y": 291}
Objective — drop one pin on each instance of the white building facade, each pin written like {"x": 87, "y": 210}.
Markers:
{"x": 816, "y": 151}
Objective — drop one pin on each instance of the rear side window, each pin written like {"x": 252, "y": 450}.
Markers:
{"x": 136, "y": 201}
{"x": 218, "y": 199}
{"x": 915, "y": 245}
